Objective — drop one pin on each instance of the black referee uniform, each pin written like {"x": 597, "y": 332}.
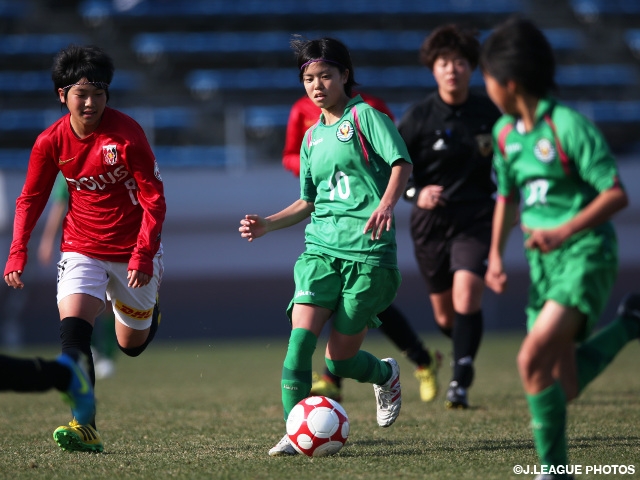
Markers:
{"x": 451, "y": 146}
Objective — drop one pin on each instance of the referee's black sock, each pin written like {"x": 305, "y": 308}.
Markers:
{"x": 397, "y": 328}
{"x": 467, "y": 334}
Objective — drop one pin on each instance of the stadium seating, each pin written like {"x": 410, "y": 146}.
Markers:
{"x": 38, "y": 119}
{"x": 13, "y": 81}
{"x": 151, "y": 45}
{"x": 93, "y": 9}
{"x": 37, "y": 44}
{"x": 210, "y": 72}
{"x": 200, "y": 82}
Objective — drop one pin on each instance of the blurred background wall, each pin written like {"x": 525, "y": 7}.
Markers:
{"x": 211, "y": 82}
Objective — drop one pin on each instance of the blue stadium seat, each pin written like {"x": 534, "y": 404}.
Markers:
{"x": 38, "y": 119}
{"x": 153, "y": 44}
{"x": 632, "y": 37}
{"x": 12, "y": 10}
{"x": 585, "y": 8}
{"x": 40, "y": 81}
{"x": 609, "y": 111}
{"x": 597, "y": 75}
{"x": 205, "y": 81}
{"x": 169, "y": 157}
{"x": 97, "y": 10}
{"x": 276, "y": 116}
{"x": 37, "y": 44}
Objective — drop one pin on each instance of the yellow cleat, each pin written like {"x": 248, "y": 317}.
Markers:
{"x": 78, "y": 438}
{"x": 428, "y": 378}
{"x": 323, "y": 386}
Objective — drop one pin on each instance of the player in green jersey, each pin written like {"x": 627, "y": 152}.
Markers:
{"x": 354, "y": 168}
{"x": 555, "y": 165}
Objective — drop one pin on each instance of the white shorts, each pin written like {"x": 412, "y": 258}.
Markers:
{"x": 132, "y": 307}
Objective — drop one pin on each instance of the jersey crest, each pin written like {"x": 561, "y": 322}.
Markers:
{"x": 345, "y": 131}
{"x": 544, "y": 151}
{"x": 110, "y": 154}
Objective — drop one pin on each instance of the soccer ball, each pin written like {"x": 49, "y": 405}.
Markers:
{"x": 318, "y": 426}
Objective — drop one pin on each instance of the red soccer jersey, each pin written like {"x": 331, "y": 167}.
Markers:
{"x": 305, "y": 114}
{"x": 116, "y": 196}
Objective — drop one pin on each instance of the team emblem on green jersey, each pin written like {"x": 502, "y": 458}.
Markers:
{"x": 345, "y": 131}
{"x": 544, "y": 150}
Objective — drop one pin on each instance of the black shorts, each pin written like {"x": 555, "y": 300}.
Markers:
{"x": 450, "y": 238}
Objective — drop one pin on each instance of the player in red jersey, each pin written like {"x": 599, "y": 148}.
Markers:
{"x": 111, "y": 234}
{"x": 303, "y": 115}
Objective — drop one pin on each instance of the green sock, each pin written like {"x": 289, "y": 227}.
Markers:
{"x": 296, "y": 371}
{"x": 548, "y": 410}
{"x": 363, "y": 367}
{"x": 597, "y": 351}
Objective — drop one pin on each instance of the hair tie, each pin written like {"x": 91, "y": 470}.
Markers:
{"x": 100, "y": 85}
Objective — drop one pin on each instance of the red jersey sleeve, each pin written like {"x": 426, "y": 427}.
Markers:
{"x": 150, "y": 193}
{"x": 41, "y": 175}
{"x": 303, "y": 115}
{"x": 292, "y": 142}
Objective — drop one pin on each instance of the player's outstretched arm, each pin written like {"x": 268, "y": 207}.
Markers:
{"x": 254, "y": 226}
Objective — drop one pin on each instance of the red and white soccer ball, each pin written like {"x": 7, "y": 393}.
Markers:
{"x": 318, "y": 426}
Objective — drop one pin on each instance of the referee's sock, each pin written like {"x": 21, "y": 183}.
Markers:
{"x": 467, "y": 334}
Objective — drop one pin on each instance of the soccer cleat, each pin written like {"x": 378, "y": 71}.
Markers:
{"x": 323, "y": 386}
{"x": 79, "y": 394}
{"x": 283, "y": 448}
{"x": 428, "y": 378}
{"x": 456, "y": 397}
{"x": 630, "y": 306}
{"x": 78, "y": 438}
{"x": 389, "y": 396}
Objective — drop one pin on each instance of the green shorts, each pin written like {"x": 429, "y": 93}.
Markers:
{"x": 580, "y": 274}
{"x": 356, "y": 292}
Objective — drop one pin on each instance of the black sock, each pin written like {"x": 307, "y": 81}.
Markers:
{"x": 467, "y": 334}
{"x": 397, "y": 328}
{"x": 75, "y": 335}
{"x": 448, "y": 332}
{"x": 32, "y": 375}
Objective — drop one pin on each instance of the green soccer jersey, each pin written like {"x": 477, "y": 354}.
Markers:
{"x": 557, "y": 168}
{"x": 345, "y": 169}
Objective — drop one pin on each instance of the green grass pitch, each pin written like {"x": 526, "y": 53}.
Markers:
{"x": 211, "y": 410}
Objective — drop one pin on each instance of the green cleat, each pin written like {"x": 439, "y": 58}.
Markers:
{"x": 78, "y": 438}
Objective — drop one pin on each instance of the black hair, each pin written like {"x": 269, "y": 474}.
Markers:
{"x": 76, "y": 62}
{"x": 518, "y": 50}
{"x": 447, "y": 39}
{"x": 329, "y": 49}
